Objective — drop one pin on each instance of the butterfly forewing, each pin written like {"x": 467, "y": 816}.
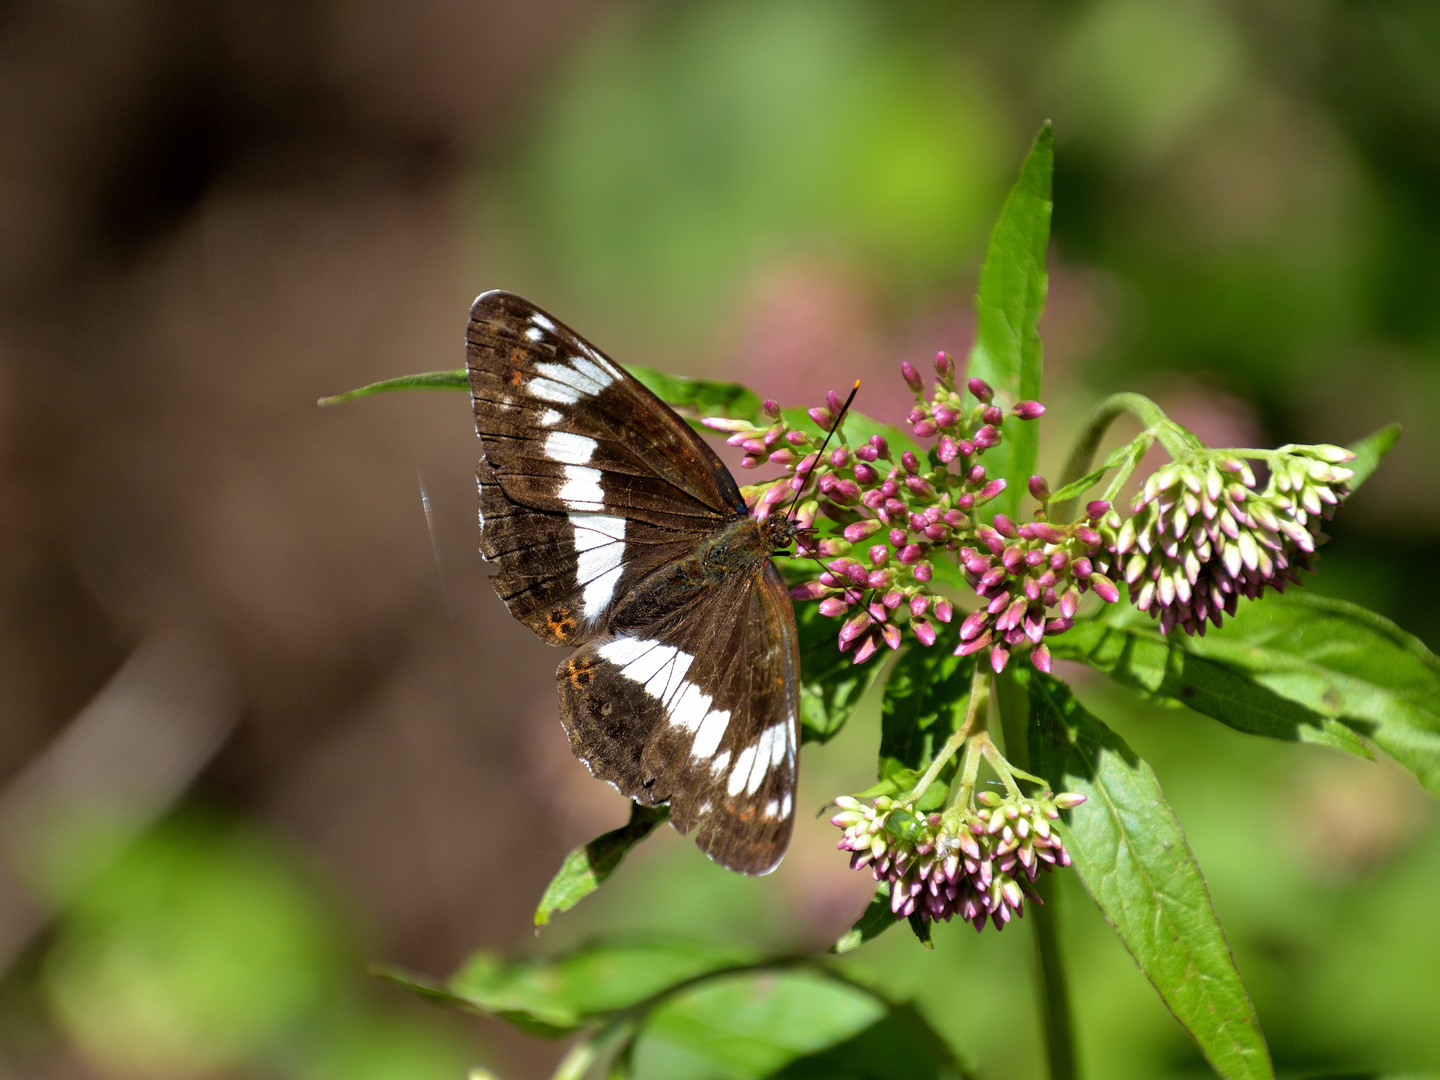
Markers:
{"x": 700, "y": 710}
{"x": 613, "y": 526}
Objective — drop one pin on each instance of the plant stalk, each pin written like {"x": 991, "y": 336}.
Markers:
{"x": 1051, "y": 990}
{"x": 975, "y": 711}
{"x": 1082, "y": 454}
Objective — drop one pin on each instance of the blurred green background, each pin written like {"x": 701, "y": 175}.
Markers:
{"x": 254, "y": 207}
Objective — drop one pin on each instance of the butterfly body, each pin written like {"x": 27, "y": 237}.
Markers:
{"x": 616, "y": 530}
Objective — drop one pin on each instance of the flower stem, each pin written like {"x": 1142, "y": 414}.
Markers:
{"x": 1157, "y": 426}
{"x": 974, "y": 721}
{"x": 1050, "y": 988}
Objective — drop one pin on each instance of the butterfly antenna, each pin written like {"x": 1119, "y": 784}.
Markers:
{"x": 833, "y": 428}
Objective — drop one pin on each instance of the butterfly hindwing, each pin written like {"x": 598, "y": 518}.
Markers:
{"x": 700, "y": 710}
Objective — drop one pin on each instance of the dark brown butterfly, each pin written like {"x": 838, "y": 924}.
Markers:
{"x": 614, "y": 528}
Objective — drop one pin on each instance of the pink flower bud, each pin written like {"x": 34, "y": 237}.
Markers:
{"x": 868, "y": 648}
{"x": 925, "y": 429}
{"x": 946, "y": 416}
{"x": 976, "y": 475}
{"x": 1040, "y": 657}
{"x": 966, "y": 501}
{"x": 966, "y": 448}
{"x": 924, "y": 632}
{"x": 725, "y": 423}
{"x": 920, "y": 487}
{"x": 912, "y": 377}
{"x": 881, "y": 446}
{"x": 833, "y": 402}
{"x": 1097, "y": 508}
{"x": 796, "y": 438}
{"x": 999, "y": 657}
{"x": 1088, "y": 536}
{"x": 865, "y": 474}
{"x": 1082, "y": 568}
{"x": 987, "y": 437}
{"x": 1029, "y": 410}
{"x": 981, "y": 389}
{"x": 1104, "y": 588}
{"x": 898, "y": 537}
{"x": 859, "y": 530}
{"x": 919, "y": 604}
{"x": 1005, "y": 527}
{"x": 1039, "y": 489}
{"x": 891, "y": 634}
{"x": 873, "y": 499}
{"x": 992, "y": 414}
{"x": 879, "y": 554}
{"x": 1070, "y": 603}
{"x": 910, "y": 462}
{"x": 880, "y": 579}
{"x": 839, "y": 457}
{"x": 944, "y": 610}
{"x": 943, "y": 367}
{"x": 923, "y": 572}
{"x": 833, "y": 606}
{"x": 973, "y": 625}
{"x": 750, "y": 461}
{"x": 878, "y": 612}
{"x": 895, "y": 508}
{"x": 866, "y": 452}
{"x": 915, "y": 415}
{"x": 783, "y": 457}
{"x": 810, "y": 590}
{"x": 822, "y": 417}
{"x": 772, "y": 409}
{"x": 847, "y": 491}
{"x": 1050, "y": 534}
{"x": 947, "y": 450}
{"x": 854, "y": 627}
{"x": 892, "y": 599}
{"x": 910, "y": 554}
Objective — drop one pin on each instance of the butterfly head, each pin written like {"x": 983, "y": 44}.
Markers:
{"x": 779, "y": 531}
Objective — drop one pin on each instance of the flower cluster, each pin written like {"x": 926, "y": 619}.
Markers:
{"x": 894, "y": 513}
{"x": 1202, "y": 536}
{"x": 978, "y": 864}
{"x": 1022, "y": 572}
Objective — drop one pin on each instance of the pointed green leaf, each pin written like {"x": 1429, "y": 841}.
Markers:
{"x": 587, "y": 867}
{"x": 1341, "y": 662}
{"x": 1369, "y": 451}
{"x": 1131, "y": 854}
{"x": 458, "y": 379}
{"x": 701, "y": 397}
{"x": 876, "y": 919}
{"x": 799, "y": 1024}
{"x": 1126, "y": 645}
{"x": 1008, "y": 304}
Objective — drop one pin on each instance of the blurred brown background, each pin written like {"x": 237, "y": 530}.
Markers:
{"x": 228, "y": 628}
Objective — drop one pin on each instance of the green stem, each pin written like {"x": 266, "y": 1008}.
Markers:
{"x": 1157, "y": 425}
{"x": 1050, "y": 987}
{"x": 974, "y": 721}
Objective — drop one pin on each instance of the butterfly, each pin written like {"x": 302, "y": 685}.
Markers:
{"x": 613, "y": 528}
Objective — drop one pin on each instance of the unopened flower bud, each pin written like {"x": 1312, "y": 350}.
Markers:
{"x": 725, "y": 423}
{"x": 924, "y": 632}
{"x": 923, "y": 572}
{"x": 832, "y": 606}
{"x": 981, "y": 389}
{"x": 1005, "y": 527}
{"x": 912, "y": 377}
{"x": 822, "y": 416}
{"x": 839, "y": 457}
{"x": 993, "y": 415}
{"x": 943, "y": 367}
{"x": 925, "y": 429}
{"x": 783, "y": 457}
{"x": 1097, "y": 508}
{"x": 1039, "y": 489}
{"x": 987, "y": 437}
{"x": 772, "y": 409}
{"x": 879, "y": 554}
{"x": 910, "y": 462}
{"x": 1029, "y": 410}
{"x": 860, "y": 530}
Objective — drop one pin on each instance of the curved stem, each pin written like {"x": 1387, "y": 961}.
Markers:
{"x": 974, "y": 721}
{"x": 1158, "y": 425}
{"x": 1051, "y": 991}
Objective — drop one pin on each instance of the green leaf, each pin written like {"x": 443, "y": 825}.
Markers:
{"x": 924, "y": 703}
{"x": 701, "y": 397}
{"x": 1368, "y": 452}
{"x": 552, "y": 998}
{"x": 458, "y": 379}
{"x": 799, "y": 1024}
{"x": 1342, "y": 662}
{"x": 876, "y": 919}
{"x": 1077, "y": 488}
{"x": 1126, "y": 645}
{"x": 1131, "y": 854}
{"x": 831, "y": 683}
{"x": 587, "y": 867}
{"x": 1007, "y": 308}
